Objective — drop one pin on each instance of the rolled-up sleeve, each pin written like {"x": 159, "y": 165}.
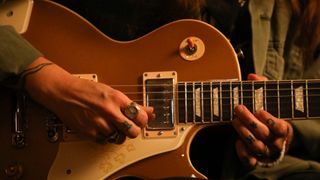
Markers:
{"x": 15, "y": 52}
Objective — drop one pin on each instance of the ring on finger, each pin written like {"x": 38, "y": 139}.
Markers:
{"x": 132, "y": 110}
{"x": 116, "y": 137}
{"x": 250, "y": 139}
{"x": 125, "y": 126}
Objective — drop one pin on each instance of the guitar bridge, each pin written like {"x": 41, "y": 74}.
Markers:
{"x": 159, "y": 92}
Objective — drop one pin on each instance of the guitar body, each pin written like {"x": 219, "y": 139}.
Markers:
{"x": 76, "y": 45}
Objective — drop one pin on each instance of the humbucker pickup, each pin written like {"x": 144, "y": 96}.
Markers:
{"x": 159, "y": 92}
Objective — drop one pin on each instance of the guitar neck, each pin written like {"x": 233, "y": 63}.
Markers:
{"x": 210, "y": 102}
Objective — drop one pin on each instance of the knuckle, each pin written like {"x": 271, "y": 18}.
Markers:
{"x": 103, "y": 93}
{"x": 281, "y": 128}
{"x": 115, "y": 94}
{"x": 259, "y": 147}
{"x": 143, "y": 120}
{"x": 264, "y": 135}
{"x": 278, "y": 144}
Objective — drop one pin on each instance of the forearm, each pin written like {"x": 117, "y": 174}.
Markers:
{"x": 46, "y": 82}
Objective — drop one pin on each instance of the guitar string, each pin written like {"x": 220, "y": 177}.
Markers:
{"x": 249, "y": 90}
{"x": 224, "y": 90}
{"x": 226, "y": 101}
{"x": 207, "y": 92}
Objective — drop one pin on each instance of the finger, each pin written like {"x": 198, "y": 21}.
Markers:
{"x": 81, "y": 123}
{"x": 277, "y": 144}
{"x": 244, "y": 155}
{"x": 104, "y": 127}
{"x": 115, "y": 110}
{"x": 114, "y": 115}
{"x": 127, "y": 126}
{"x": 101, "y": 126}
{"x": 259, "y": 129}
{"x": 150, "y": 112}
{"x": 250, "y": 140}
{"x": 255, "y": 77}
{"x": 142, "y": 116}
{"x": 96, "y": 128}
{"x": 278, "y": 127}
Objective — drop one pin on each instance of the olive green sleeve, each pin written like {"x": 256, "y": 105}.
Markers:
{"x": 307, "y": 138}
{"x": 15, "y": 52}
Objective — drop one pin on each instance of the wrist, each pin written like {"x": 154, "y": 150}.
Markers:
{"x": 46, "y": 82}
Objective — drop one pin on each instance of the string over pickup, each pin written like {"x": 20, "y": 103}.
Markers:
{"x": 159, "y": 92}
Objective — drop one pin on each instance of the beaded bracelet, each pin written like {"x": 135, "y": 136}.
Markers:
{"x": 275, "y": 162}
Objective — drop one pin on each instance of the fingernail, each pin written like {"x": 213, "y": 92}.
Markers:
{"x": 153, "y": 116}
{"x": 238, "y": 109}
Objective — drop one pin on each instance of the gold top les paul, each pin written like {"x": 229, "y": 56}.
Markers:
{"x": 36, "y": 145}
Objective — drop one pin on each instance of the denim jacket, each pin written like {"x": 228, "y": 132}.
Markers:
{"x": 270, "y": 27}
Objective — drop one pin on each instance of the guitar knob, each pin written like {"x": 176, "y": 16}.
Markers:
{"x": 191, "y": 48}
{"x": 53, "y": 135}
{"x": 14, "y": 171}
{"x": 18, "y": 140}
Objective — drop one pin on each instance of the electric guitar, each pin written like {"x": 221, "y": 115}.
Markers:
{"x": 186, "y": 70}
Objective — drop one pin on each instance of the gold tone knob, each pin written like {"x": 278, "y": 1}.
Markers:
{"x": 192, "y": 48}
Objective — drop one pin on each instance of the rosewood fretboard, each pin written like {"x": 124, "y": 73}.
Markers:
{"x": 209, "y": 102}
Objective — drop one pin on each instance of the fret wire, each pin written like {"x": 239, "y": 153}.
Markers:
{"x": 140, "y": 100}
{"x": 278, "y": 94}
{"x": 194, "y": 102}
{"x": 253, "y": 98}
{"x": 185, "y": 103}
{"x": 307, "y": 98}
{"x": 220, "y": 111}
{"x": 241, "y": 92}
{"x": 231, "y": 101}
{"x": 265, "y": 95}
{"x": 211, "y": 102}
{"x": 282, "y": 89}
{"x": 158, "y": 92}
{"x": 271, "y": 81}
{"x": 292, "y": 100}
{"x": 202, "y": 106}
